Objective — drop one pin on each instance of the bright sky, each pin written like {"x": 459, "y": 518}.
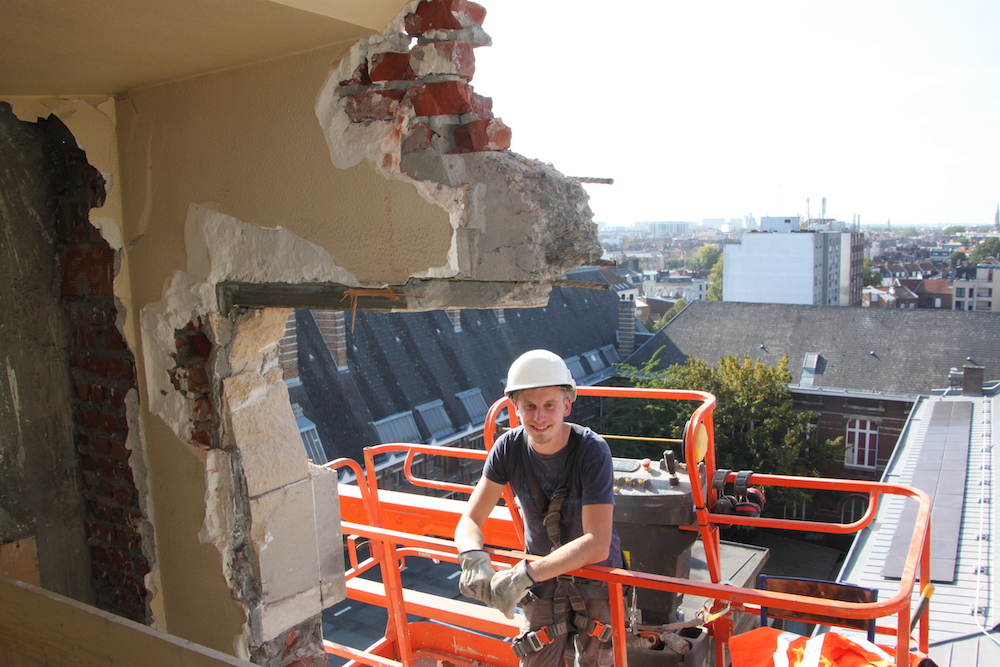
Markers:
{"x": 719, "y": 109}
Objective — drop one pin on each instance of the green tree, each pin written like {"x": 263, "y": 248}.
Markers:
{"x": 715, "y": 282}
{"x": 909, "y": 231}
{"x": 956, "y": 258}
{"x": 986, "y": 248}
{"x": 755, "y": 425}
{"x": 871, "y": 276}
{"x": 678, "y": 306}
{"x": 952, "y": 230}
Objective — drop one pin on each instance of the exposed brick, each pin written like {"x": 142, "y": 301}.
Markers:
{"x": 475, "y": 12}
{"x": 87, "y": 268}
{"x": 89, "y": 463}
{"x": 482, "y": 106}
{"x": 105, "y": 489}
{"x": 87, "y": 336}
{"x": 360, "y": 77}
{"x": 91, "y": 364}
{"x": 112, "y": 424}
{"x": 455, "y": 58}
{"x": 437, "y": 15}
{"x": 83, "y": 390}
{"x": 101, "y": 554}
{"x": 442, "y": 98}
{"x": 135, "y": 586}
{"x": 418, "y": 138}
{"x": 117, "y": 397}
{"x": 374, "y": 104}
{"x": 124, "y": 495}
{"x": 202, "y": 410}
{"x": 121, "y": 368}
{"x": 483, "y": 135}
{"x": 96, "y": 394}
{"x": 202, "y": 345}
{"x": 190, "y": 380}
{"x": 90, "y": 419}
{"x": 102, "y": 445}
{"x": 390, "y": 66}
{"x": 113, "y": 340}
{"x": 201, "y": 437}
{"x": 120, "y": 452}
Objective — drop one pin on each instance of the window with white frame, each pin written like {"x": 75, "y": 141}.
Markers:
{"x": 861, "y": 443}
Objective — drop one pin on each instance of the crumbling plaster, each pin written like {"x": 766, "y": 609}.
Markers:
{"x": 254, "y": 174}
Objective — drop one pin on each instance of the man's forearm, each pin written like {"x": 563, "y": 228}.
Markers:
{"x": 584, "y": 550}
{"x": 468, "y": 535}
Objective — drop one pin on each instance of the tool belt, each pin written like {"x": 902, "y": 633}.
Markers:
{"x": 570, "y": 614}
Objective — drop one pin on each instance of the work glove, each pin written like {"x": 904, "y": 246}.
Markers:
{"x": 509, "y": 586}
{"x": 477, "y": 571}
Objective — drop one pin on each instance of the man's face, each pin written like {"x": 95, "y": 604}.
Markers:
{"x": 542, "y": 411}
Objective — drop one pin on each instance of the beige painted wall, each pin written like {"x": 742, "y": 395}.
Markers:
{"x": 246, "y": 142}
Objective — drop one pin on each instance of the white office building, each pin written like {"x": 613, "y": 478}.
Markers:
{"x": 804, "y": 268}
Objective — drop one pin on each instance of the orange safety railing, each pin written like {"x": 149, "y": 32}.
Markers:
{"x": 398, "y": 525}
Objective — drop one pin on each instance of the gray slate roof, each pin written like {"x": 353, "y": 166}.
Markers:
{"x": 398, "y": 361}
{"x": 913, "y": 349}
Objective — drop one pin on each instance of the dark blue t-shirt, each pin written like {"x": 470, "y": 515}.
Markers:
{"x": 590, "y": 483}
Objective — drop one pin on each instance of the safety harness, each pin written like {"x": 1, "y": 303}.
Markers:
{"x": 569, "y": 611}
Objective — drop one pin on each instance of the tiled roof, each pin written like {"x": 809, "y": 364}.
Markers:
{"x": 914, "y": 350}
{"x": 398, "y": 361}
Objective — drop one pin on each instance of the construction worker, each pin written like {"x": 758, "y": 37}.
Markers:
{"x": 562, "y": 476}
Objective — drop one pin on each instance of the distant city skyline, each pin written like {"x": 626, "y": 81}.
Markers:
{"x": 725, "y": 109}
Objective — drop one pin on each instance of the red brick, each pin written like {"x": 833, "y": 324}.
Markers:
{"x": 107, "y": 469}
{"x": 87, "y": 268}
{"x": 455, "y": 58}
{"x": 89, "y": 419}
{"x": 360, "y": 77}
{"x": 96, "y": 394}
{"x": 483, "y": 135}
{"x": 120, "y": 452}
{"x": 91, "y": 364}
{"x": 89, "y": 463}
{"x": 121, "y": 368}
{"x": 100, "y": 553}
{"x": 86, "y": 336}
{"x": 113, "y": 340}
{"x": 475, "y": 12}
{"x": 390, "y": 66}
{"x": 435, "y": 15}
{"x": 135, "y": 586}
{"x": 117, "y": 397}
{"x": 443, "y": 98}
{"x": 201, "y": 437}
{"x": 112, "y": 424}
{"x": 102, "y": 445}
{"x": 105, "y": 489}
{"x": 83, "y": 390}
{"x": 201, "y": 345}
{"x": 482, "y": 106}
{"x": 374, "y": 105}
{"x": 124, "y": 495}
{"x": 202, "y": 410}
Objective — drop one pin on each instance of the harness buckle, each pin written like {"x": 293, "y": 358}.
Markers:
{"x": 531, "y": 642}
{"x": 599, "y": 630}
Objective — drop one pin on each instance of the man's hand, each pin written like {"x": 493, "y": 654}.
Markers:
{"x": 509, "y": 586}
{"x": 477, "y": 572}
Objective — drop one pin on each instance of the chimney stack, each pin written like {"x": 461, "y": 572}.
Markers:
{"x": 972, "y": 380}
{"x": 288, "y": 350}
{"x": 626, "y": 328}
{"x": 332, "y": 326}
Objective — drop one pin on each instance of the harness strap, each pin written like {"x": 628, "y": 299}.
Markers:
{"x": 570, "y": 614}
{"x": 551, "y": 508}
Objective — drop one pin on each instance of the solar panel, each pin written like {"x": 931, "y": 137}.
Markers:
{"x": 941, "y": 469}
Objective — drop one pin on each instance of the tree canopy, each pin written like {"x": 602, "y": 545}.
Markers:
{"x": 870, "y": 276}
{"x": 705, "y": 258}
{"x": 755, "y": 425}
{"x": 678, "y": 306}
{"x": 985, "y": 248}
{"x": 952, "y": 230}
{"x": 715, "y": 282}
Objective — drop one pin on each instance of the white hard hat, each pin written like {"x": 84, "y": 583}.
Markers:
{"x": 539, "y": 368}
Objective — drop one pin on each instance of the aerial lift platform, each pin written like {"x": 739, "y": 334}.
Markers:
{"x": 662, "y": 508}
